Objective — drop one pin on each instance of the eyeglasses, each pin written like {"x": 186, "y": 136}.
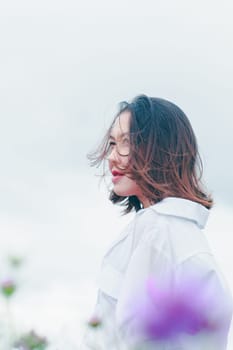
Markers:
{"x": 122, "y": 147}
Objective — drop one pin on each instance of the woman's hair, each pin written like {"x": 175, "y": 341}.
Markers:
{"x": 164, "y": 159}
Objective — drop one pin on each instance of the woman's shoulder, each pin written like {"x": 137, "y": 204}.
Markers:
{"x": 173, "y": 209}
{"x": 174, "y": 226}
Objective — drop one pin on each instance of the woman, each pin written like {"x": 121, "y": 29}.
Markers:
{"x": 152, "y": 155}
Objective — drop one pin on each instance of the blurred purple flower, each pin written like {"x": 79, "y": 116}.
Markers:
{"x": 166, "y": 310}
{"x": 94, "y": 322}
{"x": 8, "y": 287}
{"x": 31, "y": 341}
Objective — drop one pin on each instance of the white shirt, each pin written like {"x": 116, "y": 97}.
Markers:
{"x": 162, "y": 238}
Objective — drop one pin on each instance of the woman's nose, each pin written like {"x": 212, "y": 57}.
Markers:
{"x": 113, "y": 156}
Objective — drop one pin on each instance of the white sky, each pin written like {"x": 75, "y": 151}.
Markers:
{"x": 64, "y": 66}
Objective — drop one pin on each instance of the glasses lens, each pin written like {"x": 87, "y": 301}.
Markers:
{"x": 123, "y": 147}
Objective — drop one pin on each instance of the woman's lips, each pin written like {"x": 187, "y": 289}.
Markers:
{"x": 116, "y": 176}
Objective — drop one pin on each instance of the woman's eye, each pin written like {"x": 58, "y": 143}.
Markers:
{"x": 125, "y": 141}
{"x": 110, "y": 146}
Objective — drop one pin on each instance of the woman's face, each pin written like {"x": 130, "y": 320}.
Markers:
{"x": 119, "y": 144}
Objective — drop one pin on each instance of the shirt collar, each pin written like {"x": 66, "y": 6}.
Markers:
{"x": 183, "y": 208}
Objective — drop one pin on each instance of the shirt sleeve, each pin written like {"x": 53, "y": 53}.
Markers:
{"x": 196, "y": 272}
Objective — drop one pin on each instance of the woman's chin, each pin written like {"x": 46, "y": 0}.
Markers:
{"x": 126, "y": 187}
{"x": 122, "y": 192}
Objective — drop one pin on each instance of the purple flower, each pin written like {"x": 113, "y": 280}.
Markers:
{"x": 31, "y": 341}
{"x": 169, "y": 308}
{"x": 8, "y": 288}
{"x": 94, "y": 322}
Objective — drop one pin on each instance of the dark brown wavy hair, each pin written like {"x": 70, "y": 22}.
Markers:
{"x": 163, "y": 159}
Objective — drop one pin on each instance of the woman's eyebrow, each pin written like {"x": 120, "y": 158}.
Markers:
{"x": 119, "y": 136}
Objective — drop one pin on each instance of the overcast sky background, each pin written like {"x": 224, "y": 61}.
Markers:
{"x": 64, "y": 66}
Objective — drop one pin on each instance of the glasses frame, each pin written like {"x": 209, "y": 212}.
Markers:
{"x": 115, "y": 144}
